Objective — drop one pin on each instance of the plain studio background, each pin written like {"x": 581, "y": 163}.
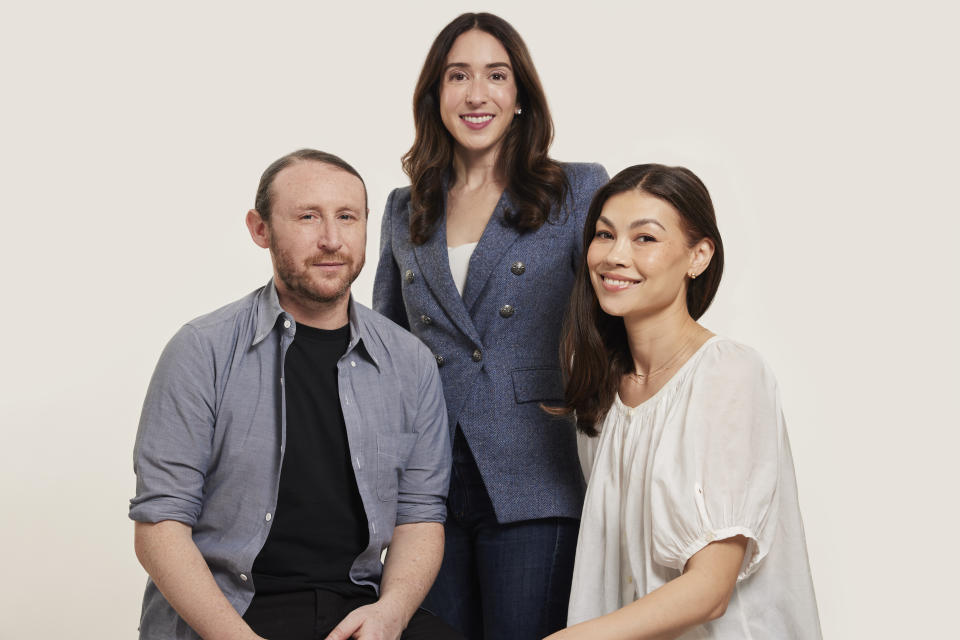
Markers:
{"x": 133, "y": 137}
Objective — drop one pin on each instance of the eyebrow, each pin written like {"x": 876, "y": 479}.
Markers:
{"x": 492, "y": 65}
{"x": 320, "y": 209}
{"x": 635, "y": 223}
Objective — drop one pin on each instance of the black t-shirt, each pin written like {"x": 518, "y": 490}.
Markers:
{"x": 320, "y": 526}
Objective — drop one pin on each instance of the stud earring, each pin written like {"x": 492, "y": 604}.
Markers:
{"x": 518, "y": 110}
{"x": 693, "y": 276}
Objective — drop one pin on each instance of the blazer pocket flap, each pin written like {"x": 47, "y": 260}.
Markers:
{"x": 537, "y": 384}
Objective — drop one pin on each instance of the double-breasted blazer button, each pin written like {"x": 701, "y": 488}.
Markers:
{"x": 440, "y": 359}
{"x": 425, "y": 319}
{"x": 506, "y": 311}
{"x": 477, "y": 356}
{"x": 518, "y": 268}
{"x": 408, "y": 275}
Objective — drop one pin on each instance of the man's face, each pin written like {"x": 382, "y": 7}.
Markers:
{"x": 317, "y": 232}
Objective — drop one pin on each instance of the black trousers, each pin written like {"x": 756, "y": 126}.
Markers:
{"x": 311, "y": 615}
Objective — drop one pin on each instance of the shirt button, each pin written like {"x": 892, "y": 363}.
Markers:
{"x": 425, "y": 319}
{"x": 286, "y": 324}
{"x": 477, "y": 356}
{"x": 243, "y": 577}
{"x": 353, "y": 363}
{"x": 506, "y": 311}
{"x": 518, "y": 268}
{"x": 269, "y": 517}
{"x": 440, "y": 359}
{"x": 408, "y": 276}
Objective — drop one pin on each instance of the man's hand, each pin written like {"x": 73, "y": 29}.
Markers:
{"x": 413, "y": 560}
{"x": 377, "y": 621}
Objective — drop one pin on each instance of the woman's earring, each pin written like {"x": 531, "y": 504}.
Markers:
{"x": 518, "y": 110}
{"x": 693, "y": 276}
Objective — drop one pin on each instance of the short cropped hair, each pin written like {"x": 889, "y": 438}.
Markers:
{"x": 264, "y": 200}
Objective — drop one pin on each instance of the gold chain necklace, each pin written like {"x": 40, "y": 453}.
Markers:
{"x": 641, "y": 378}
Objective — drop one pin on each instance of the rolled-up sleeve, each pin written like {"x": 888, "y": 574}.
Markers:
{"x": 173, "y": 445}
{"x": 424, "y": 482}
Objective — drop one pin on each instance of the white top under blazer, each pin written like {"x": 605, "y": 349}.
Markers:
{"x": 705, "y": 458}
{"x": 459, "y": 257}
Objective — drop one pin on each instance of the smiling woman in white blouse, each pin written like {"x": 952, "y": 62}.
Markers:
{"x": 691, "y": 526}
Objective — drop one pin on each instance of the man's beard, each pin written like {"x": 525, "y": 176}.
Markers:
{"x": 298, "y": 281}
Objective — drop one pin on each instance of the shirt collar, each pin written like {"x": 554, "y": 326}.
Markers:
{"x": 269, "y": 311}
{"x": 360, "y": 336}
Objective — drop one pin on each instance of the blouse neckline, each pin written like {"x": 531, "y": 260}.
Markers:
{"x": 673, "y": 381}
{"x": 463, "y": 247}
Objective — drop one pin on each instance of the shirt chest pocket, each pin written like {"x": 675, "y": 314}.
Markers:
{"x": 393, "y": 451}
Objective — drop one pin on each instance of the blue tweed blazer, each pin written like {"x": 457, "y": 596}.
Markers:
{"x": 498, "y": 344}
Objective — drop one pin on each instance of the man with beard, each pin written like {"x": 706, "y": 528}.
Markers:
{"x": 287, "y": 438}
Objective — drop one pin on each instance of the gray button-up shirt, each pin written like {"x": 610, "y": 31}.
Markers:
{"x": 213, "y": 431}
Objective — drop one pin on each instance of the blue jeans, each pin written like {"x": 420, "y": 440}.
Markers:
{"x": 500, "y": 581}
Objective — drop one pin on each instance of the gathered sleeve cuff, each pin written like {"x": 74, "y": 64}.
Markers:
{"x": 720, "y": 478}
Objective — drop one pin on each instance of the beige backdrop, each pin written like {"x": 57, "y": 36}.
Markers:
{"x": 133, "y": 135}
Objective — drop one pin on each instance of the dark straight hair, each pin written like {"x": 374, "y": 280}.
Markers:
{"x": 263, "y": 202}
{"x": 594, "y": 350}
{"x": 534, "y": 181}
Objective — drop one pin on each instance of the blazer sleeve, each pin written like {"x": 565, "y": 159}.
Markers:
{"x": 387, "y": 292}
{"x": 583, "y": 186}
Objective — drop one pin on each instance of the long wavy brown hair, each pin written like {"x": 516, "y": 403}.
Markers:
{"x": 535, "y": 182}
{"x": 594, "y": 351}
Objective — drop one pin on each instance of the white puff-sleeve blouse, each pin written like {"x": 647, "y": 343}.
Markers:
{"x": 706, "y": 458}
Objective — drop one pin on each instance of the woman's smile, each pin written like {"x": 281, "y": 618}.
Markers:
{"x": 612, "y": 282}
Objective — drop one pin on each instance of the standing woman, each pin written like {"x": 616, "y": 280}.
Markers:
{"x": 477, "y": 259}
{"x": 691, "y": 525}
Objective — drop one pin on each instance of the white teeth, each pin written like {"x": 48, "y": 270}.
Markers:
{"x": 618, "y": 283}
{"x": 477, "y": 119}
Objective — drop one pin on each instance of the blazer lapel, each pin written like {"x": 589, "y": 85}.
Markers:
{"x": 496, "y": 239}
{"x": 434, "y": 264}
